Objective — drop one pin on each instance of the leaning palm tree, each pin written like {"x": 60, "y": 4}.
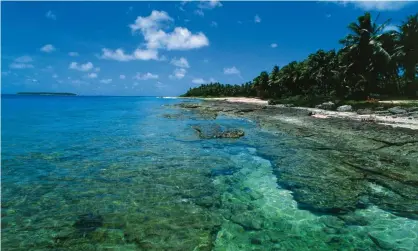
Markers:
{"x": 408, "y": 52}
{"x": 362, "y": 50}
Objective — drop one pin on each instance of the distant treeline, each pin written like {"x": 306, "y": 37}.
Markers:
{"x": 371, "y": 61}
{"x": 47, "y": 93}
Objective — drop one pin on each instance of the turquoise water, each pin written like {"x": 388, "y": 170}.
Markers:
{"x": 114, "y": 173}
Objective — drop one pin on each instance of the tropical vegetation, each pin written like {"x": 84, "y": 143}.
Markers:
{"x": 372, "y": 61}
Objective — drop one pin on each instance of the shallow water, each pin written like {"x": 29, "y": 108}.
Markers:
{"x": 113, "y": 173}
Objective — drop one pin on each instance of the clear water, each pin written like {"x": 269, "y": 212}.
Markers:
{"x": 112, "y": 173}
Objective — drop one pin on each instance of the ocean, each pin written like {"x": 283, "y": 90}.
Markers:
{"x": 130, "y": 173}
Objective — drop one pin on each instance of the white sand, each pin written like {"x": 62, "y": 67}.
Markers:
{"x": 323, "y": 114}
{"x": 240, "y": 100}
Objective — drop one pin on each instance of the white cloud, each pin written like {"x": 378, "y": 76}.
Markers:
{"x": 20, "y": 66}
{"x": 390, "y": 27}
{"x": 92, "y": 75}
{"x": 206, "y": 60}
{"x": 106, "y": 81}
{"x": 328, "y": 15}
{"x": 198, "y": 81}
{"x": 214, "y": 24}
{"x": 381, "y": 5}
{"x": 122, "y": 76}
{"x": 145, "y": 76}
{"x": 48, "y": 48}
{"x": 23, "y": 59}
{"x": 210, "y": 4}
{"x": 22, "y": 63}
{"x": 51, "y": 15}
{"x": 199, "y": 12}
{"x": 181, "y": 62}
{"x": 239, "y": 22}
{"x": 273, "y": 45}
{"x": 231, "y": 71}
{"x": 83, "y": 67}
{"x": 160, "y": 85}
{"x": 55, "y": 76}
{"x": 146, "y": 54}
{"x": 178, "y": 73}
{"x": 203, "y": 81}
{"x": 257, "y": 19}
{"x": 377, "y": 5}
{"x": 73, "y": 54}
{"x": 138, "y": 54}
{"x": 179, "y": 39}
{"x": 97, "y": 69}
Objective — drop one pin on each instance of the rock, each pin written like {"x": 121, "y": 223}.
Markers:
{"x": 247, "y": 221}
{"x": 273, "y": 102}
{"x": 189, "y": 105}
{"x": 326, "y": 106}
{"x": 345, "y": 108}
{"x": 88, "y": 222}
{"x": 397, "y": 110}
{"x": 364, "y": 111}
{"x": 413, "y": 109}
{"x": 380, "y": 242}
{"x": 214, "y": 131}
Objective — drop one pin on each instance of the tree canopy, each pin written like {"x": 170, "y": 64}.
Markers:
{"x": 371, "y": 61}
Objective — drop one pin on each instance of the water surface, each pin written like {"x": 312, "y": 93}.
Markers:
{"x": 114, "y": 173}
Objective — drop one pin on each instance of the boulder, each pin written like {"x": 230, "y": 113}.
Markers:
{"x": 396, "y": 110}
{"x": 213, "y": 131}
{"x": 345, "y": 108}
{"x": 326, "y": 106}
{"x": 364, "y": 111}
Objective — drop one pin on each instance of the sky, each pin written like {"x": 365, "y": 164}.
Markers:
{"x": 164, "y": 48}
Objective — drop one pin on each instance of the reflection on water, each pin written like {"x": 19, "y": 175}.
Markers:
{"x": 82, "y": 173}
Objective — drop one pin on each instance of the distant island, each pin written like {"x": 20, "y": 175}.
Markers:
{"x": 48, "y": 93}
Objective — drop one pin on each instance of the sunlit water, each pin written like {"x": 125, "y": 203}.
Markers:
{"x": 113, "y": 173}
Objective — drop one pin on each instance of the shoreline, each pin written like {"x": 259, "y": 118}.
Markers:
{"x": 354, "y": 161}
{"x": 393, "y": 121}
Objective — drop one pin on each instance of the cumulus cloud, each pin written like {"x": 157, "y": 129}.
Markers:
{"x": 92, "y": 75}
{"x": 232, "y": 71}
{"x": 181, "y": 62}
{"x": 55, "y": 76}
{"x": 390, "y": 27}
{"x": 73, "y": 54}
{"x": 203, "y": 81}
{"x": 22, "y": 63}
{"x": 138, "y": 54}
{"x": 48, "y": 48}
{"x": 178, "y": 73}
{"x": 377, "y": 5}
{"x": 154, "y": 30}
{"x": 257, "y": 19}
{"x": 122, "y": 76}
{"x": 214, "y": 24}
{"x": 156, "y": 38}
{"x": 273, "y": 45}
{"x": 20, "y": 66}
{"x": 145, "y": 76}
{"x": 209, "y": 4}
{"x": 51, "y": 15}
{"x": 83, "y": 67}
{"x": 199, "y": 12}
{"x": 23, "y": 59}
{"x": 106, "y": 81}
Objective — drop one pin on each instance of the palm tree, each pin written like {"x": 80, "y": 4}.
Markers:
{"x": 408, "y": 52}
{"x": 363, "y": 48}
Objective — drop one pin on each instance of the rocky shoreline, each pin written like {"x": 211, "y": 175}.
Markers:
{"x": 346, "y": 163}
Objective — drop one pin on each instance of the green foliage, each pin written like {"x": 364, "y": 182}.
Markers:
{"x": 371, "y": 61}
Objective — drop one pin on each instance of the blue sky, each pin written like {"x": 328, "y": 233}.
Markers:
{"x": 163, "y": 48}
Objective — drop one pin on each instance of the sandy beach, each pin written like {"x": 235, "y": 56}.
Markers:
{"x": 394, "y": 121}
